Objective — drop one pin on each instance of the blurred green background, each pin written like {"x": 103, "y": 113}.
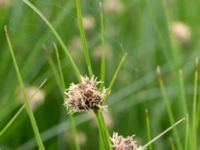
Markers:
{"x": 152, "y": 32}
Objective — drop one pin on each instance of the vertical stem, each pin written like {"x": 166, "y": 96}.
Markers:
{"x": 83, "y": 37}
{"x": 186, "y": 132}
{"x": 182, "y": 91}
{"x": 102, "y": 129}
{"x": 28, "y": 107}
{"x": 169, "y": 110}
{"x": 148, "y": 128}
{"x": 71, "y": 117}
{"x": 194, "y": 112}
{"x": 102, "y": 44}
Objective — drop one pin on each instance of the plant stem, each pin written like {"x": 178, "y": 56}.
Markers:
{"x": 71, "y": 117}
{"x": 103, "y": 70}
{"x": 167, "y": 103}
{"x": 194, "y": 108}
{"x": 102, "y": 129}
{"x": 20, "y": 111}
{"x": 69, "y": 57}
{"x": 114, "y": 77}
{"x": 28, "y": 107}
{"x": 164, "y": 132}
{"x": 148, "y": 128}
{"x": 83, "y": 37}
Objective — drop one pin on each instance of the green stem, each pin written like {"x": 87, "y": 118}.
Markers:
{"x": 167, "y": 104}
{"x": 186, "y": 132}
{"x": 83, "y": 37}
{"x": 114, "y": 78}
{"x": 148, "y": 128}
{"x": 103, "y": 70}
{"x": 28, "y": 107}
{"x": 69, "y": 57}
{"x": 74, "y": 132}
{"x": 164, "y": 132}
{"x": 12, "y": 120}
{"x": 20, "y": 111}
{"x": 102, "y": 131}
{"x": 194, "y": 112}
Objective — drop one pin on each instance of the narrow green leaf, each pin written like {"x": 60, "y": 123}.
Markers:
{"x": 28, "y": 107}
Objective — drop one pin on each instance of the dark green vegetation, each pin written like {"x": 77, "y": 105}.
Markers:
{"x": 140, "y": 28}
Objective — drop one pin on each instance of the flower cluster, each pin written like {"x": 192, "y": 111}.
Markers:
{"x": 121, "y": 143}
{"x": 84, "y": 96}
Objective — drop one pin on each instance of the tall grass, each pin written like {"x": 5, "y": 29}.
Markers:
{"x": 136, "y": 83}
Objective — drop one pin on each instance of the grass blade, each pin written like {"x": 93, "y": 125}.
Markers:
{"x": 83, "y": 37}
{"x": 186, "y": 132}
{"x": 148, "y": 128}
{"x": 167, "y": 103}
{"x": 194, "y": 112}
{"x": 28, "y": 107}
{"x": 103, "y": 70}
{"x": 19, "y": 111}
{"x": 69, "y": 57}
{"x": 62, "y": 81}
{"x": 114, "y": 77}
{"x": 164, "y": 132}
{"x": 12, "y": 120}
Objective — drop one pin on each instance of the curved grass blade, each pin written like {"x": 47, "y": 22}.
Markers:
{"x": 69, "y": 57}
{"x": 28, "y": 107}
{"x": 164, "y": 132}
{"x": 19, "y": 111}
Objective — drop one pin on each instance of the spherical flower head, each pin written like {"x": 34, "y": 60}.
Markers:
{"x": 84, "y": 96}
{"x": 121, "y": 143}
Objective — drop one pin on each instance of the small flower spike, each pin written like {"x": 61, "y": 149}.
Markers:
{"x": 84, "y": 96}
{"x": 121, "y": 143}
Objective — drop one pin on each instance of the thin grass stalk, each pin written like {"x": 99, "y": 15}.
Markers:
{"x": 53, "y": 67}
{"x": 73, "y": 126}
{"x": 83, "y": 37}
{"x": 172, "y": 144}
{"x": 114, "y": 77}
{"x": 186, "y": 132}
{"x": 169, "y": 110}
{"x": 194, "y": 108}
{"x": 19, "y": 111}
{"x": 103, "y": 70}
{"x": 102, "y": 131}
{"x": 173, "y": 47}
{"x": 160, "y": 37}
{"x": 182, "y": 92}
{"x": 148, "y": 128}
{"x": 105, "y": 129}
{"x": 28, "y": 107}
{"x": 59, "y": 66}
{"x": 164, "y": 132}
{"x": 162, "y": 41}
{"x": 99, "y": 113}
{"x": 69, "y": 57}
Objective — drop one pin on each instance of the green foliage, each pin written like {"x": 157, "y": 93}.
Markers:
{"x": 143, "y": 30}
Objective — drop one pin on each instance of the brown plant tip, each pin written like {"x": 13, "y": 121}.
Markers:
{"x": 121, "y": 143}
{"x": 84, "y": 96}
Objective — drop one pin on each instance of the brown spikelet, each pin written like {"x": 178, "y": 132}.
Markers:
{"x": 121, "y": 143}
{"x": 84, "y": 96}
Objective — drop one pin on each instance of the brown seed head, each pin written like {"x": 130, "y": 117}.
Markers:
{"x": 84, "y": 96}
{"x": 121, "y": 143}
